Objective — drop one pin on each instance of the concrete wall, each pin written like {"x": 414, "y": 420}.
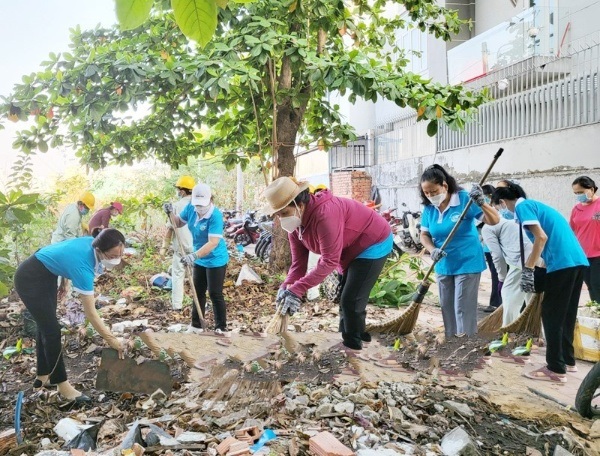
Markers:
{"x": 544, "y": 164}
{"x": 489, "y": 13}
{"x": 313, "y": 167}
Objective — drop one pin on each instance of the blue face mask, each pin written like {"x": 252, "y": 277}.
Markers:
{"x": 582, "y": 198}
{"x": 487, "y": 199}
{"x": 84, "y": 211}
{"x": 507, "y": 214}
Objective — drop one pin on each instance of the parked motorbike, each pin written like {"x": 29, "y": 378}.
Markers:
{"x": 233, "y": 225}
{"x": 408, "y": 233}
{"x": 248, "y": 232}
{"x": 264, "y": 244}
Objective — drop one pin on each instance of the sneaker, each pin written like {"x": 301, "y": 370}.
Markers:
{"x": 193, "y": 330}
{"x": 489, "y": 309}
{"x": 572, "y": 368}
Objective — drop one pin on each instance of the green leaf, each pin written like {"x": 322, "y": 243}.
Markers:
{"x": 3, "y": 289}
{"x": 432, "y": 128}
{"x": 132, "y": 13}
{"x": 197, "y": 19}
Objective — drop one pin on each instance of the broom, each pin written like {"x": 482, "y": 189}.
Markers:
{"x": 190, "y": 274}
{"x": 279, "y": 322}
{"x": 530, "y": 320}
{"x": 492, "y": 322}
{"x": 405, "y": 323}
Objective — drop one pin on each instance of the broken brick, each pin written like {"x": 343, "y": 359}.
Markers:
{"x": 223, "y": 447}
{"x": 249, "y": 434}
{"x": 325, "y": 444}
{"x": 238, "y": 449}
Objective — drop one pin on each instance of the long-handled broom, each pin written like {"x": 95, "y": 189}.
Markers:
{"x": 492, "y": 322}
{"x": 190, "y": 273}
{"x": 530, "y": 320}
{"x": 405, "y": 323}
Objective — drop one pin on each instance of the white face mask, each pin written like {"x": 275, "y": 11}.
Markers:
{"x": 437, "y": 199}
{"x": 291, "y": 223}
{"x": 202, "y": 210}
{"x": 110, "y": 263}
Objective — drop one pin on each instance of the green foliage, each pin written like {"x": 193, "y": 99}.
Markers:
{"x": 17, "y": 211}
{"x": 258, "y": 89}
{"x": 398, "y": 283}
{"x": 594, "y": 307}
{"x": 132, "y": 13}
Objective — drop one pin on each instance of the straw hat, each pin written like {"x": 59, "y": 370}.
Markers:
{"x": 281, "y": 192}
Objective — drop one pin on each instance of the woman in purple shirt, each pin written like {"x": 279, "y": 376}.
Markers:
{"x": 346, "y": 234}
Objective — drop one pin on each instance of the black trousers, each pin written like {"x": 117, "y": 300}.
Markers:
{"x": 357, "y": 282}
{"x": 210, "y": 279}
{"x": 559, "y": 315}
{"x": 495, "y": 298}
{"x": 591, "y": 277}
{"x": 37, "y": 288}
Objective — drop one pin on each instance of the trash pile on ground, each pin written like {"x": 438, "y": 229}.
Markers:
{"x": 285, "y": 402}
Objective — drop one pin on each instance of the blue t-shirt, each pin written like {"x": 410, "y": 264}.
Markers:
{"x": 201, "y": 229}
{"x": 464, "y": 251}
{"x": 562, "y": 249}
{"x": 73, "y": 259}
{"x": 378, "y": 250}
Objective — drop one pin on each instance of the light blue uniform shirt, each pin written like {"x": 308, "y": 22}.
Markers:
{"x": 562, "y": 249}
{"x": 209, "y": 225}
{"x": 464, "y": 251}
{"x": 73, "y": 259}
{"x": 378, "y": 250}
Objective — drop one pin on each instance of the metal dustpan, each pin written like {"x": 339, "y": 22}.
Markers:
{"x": 126, "y": 375}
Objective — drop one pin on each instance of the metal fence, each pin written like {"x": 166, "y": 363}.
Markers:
{"x": 538, "y": 95}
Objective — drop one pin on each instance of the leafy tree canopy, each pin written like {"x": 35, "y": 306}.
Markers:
{"x": 257, "y": 89}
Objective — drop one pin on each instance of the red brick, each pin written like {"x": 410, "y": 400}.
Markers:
{"x": 223, "y": 447}
{"x": 238, "y": 448}
{"x": 325, "y": 444}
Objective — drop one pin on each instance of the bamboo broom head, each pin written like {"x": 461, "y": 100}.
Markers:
{"x": 278, "y": 324}
{"x": 401, "y": 325}
{"x": 492, "y": 323}
{"x": 530, "y": 321}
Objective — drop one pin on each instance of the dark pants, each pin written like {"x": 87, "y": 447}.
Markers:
{"x": 37, "y": 288}
{"x": 357, "y": 282}
{"x": 559, "y": 315}
{"x": 591, "y": 276}
{"x": 210, "y": 279}
{"x": 495, "y": 298}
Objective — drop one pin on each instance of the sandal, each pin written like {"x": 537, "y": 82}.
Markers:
{"x": 546, "y": 375}
{"x": 512, "y": 359}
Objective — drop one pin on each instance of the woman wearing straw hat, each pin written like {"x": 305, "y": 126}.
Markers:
{"x": 346, "y": 234}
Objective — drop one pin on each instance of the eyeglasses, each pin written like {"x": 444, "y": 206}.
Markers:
{"x": 115, "y": 256}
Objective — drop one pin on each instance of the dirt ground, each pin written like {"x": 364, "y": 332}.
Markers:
{"x": 507, "y": 417}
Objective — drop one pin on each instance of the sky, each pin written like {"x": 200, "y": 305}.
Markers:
{"x": 29, "y": 31}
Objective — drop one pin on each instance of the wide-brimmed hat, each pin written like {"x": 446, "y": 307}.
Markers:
{"x": 282, "y": 192}
{"x": 201, "y": 195}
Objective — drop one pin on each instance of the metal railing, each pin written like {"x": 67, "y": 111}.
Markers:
{"x": 539, "y": 95}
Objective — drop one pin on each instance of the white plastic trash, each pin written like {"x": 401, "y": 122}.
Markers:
{"x": 247, "y": 274}
{"x": 68, "y": 428}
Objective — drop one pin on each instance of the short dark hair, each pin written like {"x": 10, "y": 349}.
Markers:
{"x": 107, "y": 239}
{"x": 302, "y": 197}
{"x": 488, "y": 189}
{"x": 586, "y": 182}
{"x": 512, "y": 192}
{"x": 510, "y": 183}
{"x": 437, "y": 175}
{"x": 188, "y": 191}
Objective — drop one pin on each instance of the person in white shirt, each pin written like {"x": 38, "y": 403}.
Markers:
{"x": 181, "y": 243}
{"x": 503, "y": 242}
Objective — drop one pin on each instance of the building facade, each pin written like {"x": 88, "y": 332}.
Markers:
{"x": 538, "y": 59}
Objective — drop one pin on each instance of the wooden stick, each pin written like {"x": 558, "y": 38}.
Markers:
{"x": 189, "y": 271}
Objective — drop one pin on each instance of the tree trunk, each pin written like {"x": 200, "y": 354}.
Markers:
{"x": 288, "y": 124}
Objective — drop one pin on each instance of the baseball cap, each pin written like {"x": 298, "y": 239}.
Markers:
{"x": 201, "y": 195}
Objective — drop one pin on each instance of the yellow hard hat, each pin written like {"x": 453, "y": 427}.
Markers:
{"x": 321, "y": 187}
{"x": 185, "y": 182}
{"x": 88, "y": 199}
{"x": 311, "y": 189}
